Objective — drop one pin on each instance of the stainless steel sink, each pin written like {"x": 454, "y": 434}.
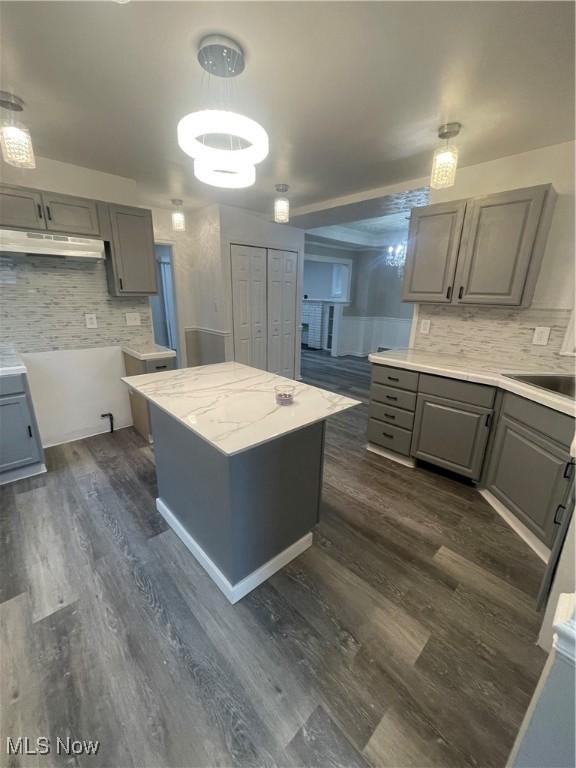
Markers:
{"x": 561, "y": 384}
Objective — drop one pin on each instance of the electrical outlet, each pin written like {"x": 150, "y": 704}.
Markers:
{"x": 132, "y": 318}
{"x": 541, "y": 335}
{"x": 91, "y": 321}
{"x": 425, "y": 327}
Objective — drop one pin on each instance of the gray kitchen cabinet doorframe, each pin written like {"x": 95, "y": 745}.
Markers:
{"x": 70, "y": 215}
{"x": 132, "y": 264}
{"x": 432, "y": 252}
{"x": 498, "y": 246}
{"x": 451, "y": 434}
{"x": 21, "y": 208}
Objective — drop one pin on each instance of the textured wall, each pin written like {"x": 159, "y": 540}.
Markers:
{"x": 43, "y": 300}
{"x": 498, "y": 334}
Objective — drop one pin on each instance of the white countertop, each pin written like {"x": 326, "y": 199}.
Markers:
{"x": 233, "y": 406}
{"x": 149, "y": 352}
{"x": 475, "y": 370}
{"x": 10, "y": 362}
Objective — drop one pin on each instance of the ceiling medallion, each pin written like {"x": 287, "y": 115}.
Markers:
{"x": 231, "y": 166}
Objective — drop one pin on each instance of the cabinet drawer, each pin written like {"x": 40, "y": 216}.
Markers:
{"x": 391, "y": 415}
{"x": 390, "y": 437}
{"x": 12, "y": 384}
{"x": 395, "y": 377}
{"x": 164, "y": 364}
{"x": 391, "y": 396}
{"x": 454, "y": 389}
{"x": 553, "y": 424}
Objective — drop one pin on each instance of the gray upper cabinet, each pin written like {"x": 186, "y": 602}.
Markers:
{"x": 530, "y": 469}
{"x": 451, "y": 434}
{"x": 497, "y": 246}
{"x": 21, "y": 208}
{"x": 132, "y": 266}
{"x": 486, "y": 250}
{"x": 70, "y": 215}
{"x": 432, "y": 253}
{"x": 18, "y": 439}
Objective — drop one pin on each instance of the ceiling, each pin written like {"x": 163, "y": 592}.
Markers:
{"x": 351, "y": 94}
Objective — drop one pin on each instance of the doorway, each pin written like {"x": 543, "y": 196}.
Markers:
{"x": 163, "y": 304}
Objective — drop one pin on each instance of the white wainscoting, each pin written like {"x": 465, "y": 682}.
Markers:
{"x": 361, "y": 335}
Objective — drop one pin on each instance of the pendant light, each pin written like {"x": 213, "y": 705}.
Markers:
{"x": 282, "y": 205}
{"x": 178, "y": 218}
{"x": 445, "y": 160}
{"x": 15, "y": 139}
{"x": 231, "y": 166}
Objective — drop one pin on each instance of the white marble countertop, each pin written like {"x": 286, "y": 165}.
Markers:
{"x": 149, "y": 352}
{"x": 10, "y": 362}
{"x": 476, "y": 370}
{"x": 233, "y": 406}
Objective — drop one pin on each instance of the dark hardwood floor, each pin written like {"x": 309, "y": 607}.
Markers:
{"x": 403, "y": 637}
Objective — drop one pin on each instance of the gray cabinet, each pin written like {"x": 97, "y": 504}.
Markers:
{"x": 131, "y": 263}
{"x": 530, "y": 470}
{"x": 18, "y": 440}
{"x": 21, "y": 208}
{"x": 432, "y": 253}
{"x": 486, "y": 250}
{"x": 451, "y": 434}
{"x": 70, "y": 215}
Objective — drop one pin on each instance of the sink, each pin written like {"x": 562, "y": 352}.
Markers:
{"x": 561, "y": 384}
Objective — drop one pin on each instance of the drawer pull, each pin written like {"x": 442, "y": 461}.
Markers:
{"x": 559, "y": 516}
{"x": 388, "y": 435}
{"x": 39, "y": 207}
{"x": 392, "y": 378}
{"x": 568, "y": 469}
{"x": 160, "y": 367}
{"x": 389, "y": 416}
{"x": 391, "y": 397}
{"x": 29, "y": 431}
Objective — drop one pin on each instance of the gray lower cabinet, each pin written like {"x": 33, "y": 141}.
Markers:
{"x": 71, "y": 215}
{"x": 432, "y": 252}
{"x": 21, "y": 208}
{"x": 138, "y": 404}
{"x": 530, "y": 469}
{"x": 451, "y": 434}
{"x": 19, "y": 443}
{"x": 131, "y": 262}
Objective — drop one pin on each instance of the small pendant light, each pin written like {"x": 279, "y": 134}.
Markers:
{"x": 15, "y": 139}
{"x": 178, "y": 217}
{"x": 282, "y": 205}
{"x": 445, "y": 159}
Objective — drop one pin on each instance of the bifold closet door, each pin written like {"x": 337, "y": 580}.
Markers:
{"x": 249, "y": 305}
{"x": 282, "y": 267}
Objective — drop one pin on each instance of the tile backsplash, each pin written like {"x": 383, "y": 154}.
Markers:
{"x": 503, "y": 335}
{"x": 44, "y": 300}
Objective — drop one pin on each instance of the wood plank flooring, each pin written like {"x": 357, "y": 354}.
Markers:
{"x": 403, "y": 637}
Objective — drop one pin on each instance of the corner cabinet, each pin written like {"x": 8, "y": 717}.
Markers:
{"x": 131, "y": 262}
{"x": 486, "y": 250}
{"x": 20, "y": 445}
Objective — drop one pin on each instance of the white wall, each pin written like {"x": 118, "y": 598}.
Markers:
{"x": 564, "y": 582}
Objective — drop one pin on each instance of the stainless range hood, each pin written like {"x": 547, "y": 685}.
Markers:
{"x": 43, "y": 244}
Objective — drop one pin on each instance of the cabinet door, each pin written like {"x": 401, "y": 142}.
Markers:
{"x": 249, "y": 306}
{"x": 282, "y": 273}
{"x": 70, "y": 215}
{"x": 133, "y": 250}
{"x": 526, "y": 473}
{"x": 433, "y": 242}
{"x": 450, "y": 434}
{"x": 21, "y": 208}
{"x": 497, "y": 245}
{"x": 18, "y": 440}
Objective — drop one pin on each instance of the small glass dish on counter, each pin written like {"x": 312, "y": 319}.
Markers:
{"x": 284, "y": 394}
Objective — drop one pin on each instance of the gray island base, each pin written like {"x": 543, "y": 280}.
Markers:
{"x": 239, "y": 476}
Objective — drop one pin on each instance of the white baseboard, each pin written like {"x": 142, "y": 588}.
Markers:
{"x": 404, "y": 460}
{"x": 534, "y": 543}
{"x": 22, "y": 473}
{"x": 233, "y": 592}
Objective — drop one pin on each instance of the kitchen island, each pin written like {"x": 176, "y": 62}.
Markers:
{"x": 239, "y": 476}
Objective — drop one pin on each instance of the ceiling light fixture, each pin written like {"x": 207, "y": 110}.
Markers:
{"x": 202, "y": 134}
{"x": 282, "y": 205}
{"x": 178, "y": 218}
{"x": 15, "y": 139}
{"x": 445, "y": 160}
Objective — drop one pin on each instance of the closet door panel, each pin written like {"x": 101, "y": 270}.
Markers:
{"x": 249, "y": 305}
{"x": 282, "y": 271}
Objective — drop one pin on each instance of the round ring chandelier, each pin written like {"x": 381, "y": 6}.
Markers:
{"x": 231, "y": 167}
{"x": 220, "y": 176}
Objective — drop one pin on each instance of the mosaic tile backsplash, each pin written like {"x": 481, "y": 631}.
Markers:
{"x": 43, "y": 300}
{"x": 501, "y": 334}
